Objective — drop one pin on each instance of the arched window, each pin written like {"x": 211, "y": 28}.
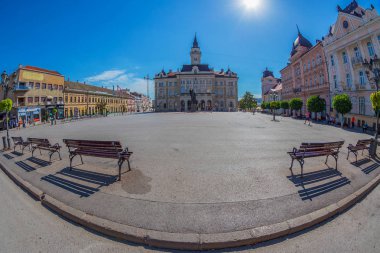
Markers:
{"x": 231, "y": 104}
{"x": 344, "y": 56}
{"x": 361, "y": 78}
{"x": 371, "y": 52}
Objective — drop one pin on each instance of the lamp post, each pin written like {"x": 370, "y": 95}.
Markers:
{"x": 5, "y": 84}
{"x": 373, "y": 66}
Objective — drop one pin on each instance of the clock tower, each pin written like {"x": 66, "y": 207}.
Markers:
{"x": 195, "y": 52}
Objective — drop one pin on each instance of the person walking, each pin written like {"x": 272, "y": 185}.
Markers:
{"x": 353, "y": 121}
{"x": 307, "y": 119}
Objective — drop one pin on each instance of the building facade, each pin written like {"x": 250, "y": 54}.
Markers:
{"x": 35, "y": 92}
{"x": 215, "y": 90}
{"x": 271, "y": 87}
{"x": 83, "y": 99}
{"x": 306, "y": 73}
{"x": 353, "y": 39}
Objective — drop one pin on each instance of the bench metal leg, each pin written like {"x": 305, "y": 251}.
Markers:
{"x": 291, "y": 166}
{"x": 71, "y": 156}
{"x": 120, "y": 163}
{"x": 301, "y": 163}
{"x": 336, "y": 161}
{"x": 33, "y": 149}
{"x": 327, "y": 158}
{"x": 129, "y": 165}
{"x": 81, "y": 159}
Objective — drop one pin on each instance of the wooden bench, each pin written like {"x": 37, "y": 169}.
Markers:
{"x": 309, "y": 150}
{"x": 360, "y": 145}
{"x": 18, "y": 141}
{"x": 44, "y": 144}
{"x": 104, "y": 149}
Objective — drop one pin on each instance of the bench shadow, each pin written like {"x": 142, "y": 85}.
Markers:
{"x": 373, "y": 164}
{"x": 25, "y": 166}
{"x": 40, "y": 162}
{"x": 88, "y": 176}
{"x": 318, "y": 179}
{"x": 16, "y": 153}
{"x": 8, "y": 156}
{"x": 76, "y": 188}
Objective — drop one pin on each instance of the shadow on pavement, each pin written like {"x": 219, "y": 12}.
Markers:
{"x": 371, "y": 165}
{"x": 319, "y": 181}
{"x": 76, "y": 188}
{"x": 39, "y": 162}
{"x": 25, "y": 166}
{"x": 88, "y": 176}
{"x": 9, "y": 157}
{"x": 16, "y": 153}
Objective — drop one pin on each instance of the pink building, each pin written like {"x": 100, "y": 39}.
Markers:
{"x": 306, "y": 73}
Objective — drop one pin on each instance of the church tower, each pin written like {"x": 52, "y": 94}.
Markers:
{"x": 195, "y": 52}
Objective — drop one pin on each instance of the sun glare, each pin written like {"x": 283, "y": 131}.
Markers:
{"x": 251, "y": 4}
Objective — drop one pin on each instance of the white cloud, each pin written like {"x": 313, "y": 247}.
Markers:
{"x": 122, "y": 79}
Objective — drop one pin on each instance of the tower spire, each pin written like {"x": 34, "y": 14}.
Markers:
{"x": 298, "y": 29}
{"x": 195, "y": 42}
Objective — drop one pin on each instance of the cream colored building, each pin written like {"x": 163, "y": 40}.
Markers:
{"x": 271, "y": 87}
{"x": 215, "y": 90}
{"x": 84, "y": 99}
{"x": 35, "y": 92}
{"x": 352, "y": 39}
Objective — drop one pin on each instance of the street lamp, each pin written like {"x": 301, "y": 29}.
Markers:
{"x": 373, "y": 66}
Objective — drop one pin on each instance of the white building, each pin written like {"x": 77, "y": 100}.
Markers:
{"x": 353, "y": 39}
{"x": 215, "y": 90}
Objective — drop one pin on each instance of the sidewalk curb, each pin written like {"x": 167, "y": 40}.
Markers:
{"x": 193, "y": 241}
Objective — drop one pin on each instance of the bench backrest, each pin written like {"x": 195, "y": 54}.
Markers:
{"x": 17, "y": 139}
{"x": 323, "y": 146}
{"x": 107, "y": 149}
{"x": 39, "y": 142}
{"x": 364, "y": 142}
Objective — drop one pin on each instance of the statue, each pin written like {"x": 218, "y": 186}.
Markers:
{"x": 193, "y": 97}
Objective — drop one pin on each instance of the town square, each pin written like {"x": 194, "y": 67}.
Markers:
{"x": 106, "y": 148}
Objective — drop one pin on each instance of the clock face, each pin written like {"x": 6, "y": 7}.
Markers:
{"x": 345, "y": 24}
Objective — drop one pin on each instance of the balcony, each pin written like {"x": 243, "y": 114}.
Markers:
{"x": 357, "y": 61}
{"x": 21, "y": 88}
{"x": 297, "y": 90}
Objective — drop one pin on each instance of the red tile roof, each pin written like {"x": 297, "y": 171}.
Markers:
{"x": 42, "y": 70}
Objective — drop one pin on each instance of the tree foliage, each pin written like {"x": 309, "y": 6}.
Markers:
{"x": 248, "y": 101}
{"x": 316, "y": 104}
{"x": 342, "y": 103}
{"x": 375, "y": 101}
{"x": 6, "y": 105}
{"x": 284, "y": 104}
{"x": 296, "y": 104}
{"x": 275, "y": 105}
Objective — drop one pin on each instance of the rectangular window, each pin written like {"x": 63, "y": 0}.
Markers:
{"x": 348, "y": 80}
{"x": 371, "y": 52}
{"x": 43, "y": 85}
{"x": 30, "y": 100}
{"x": 335, "y": 82}
{"x": 38, "y": 85}
{"x": 362, "y": 105}
{"x": 43, "y": 99}
{"x": 54, "y": 100}
{"x": 31, "y": 85}
{"x": 361, "y": 78}
{"x": 50, "y": 86}
{"x": 66, "y": 99}
{"x": 71, "y": 99}
{"x": 60, "y": 99}
{"x": 36, "y": 99}
{"x": 55, "y": 87}
{"x": 61, "y": 87}
{"x": 344, "y": 56}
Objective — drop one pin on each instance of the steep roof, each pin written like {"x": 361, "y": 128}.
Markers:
{"x": 201, "y": 67}
{"x": 300, "y": 41}
{"x": 86, "y": 87}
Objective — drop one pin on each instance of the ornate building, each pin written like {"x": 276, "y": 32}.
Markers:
{"x": 306, "y": 73}
{"x": 215, "y": 90}
{"x": 271, "y": 87}
{"x": 354, "y": 38}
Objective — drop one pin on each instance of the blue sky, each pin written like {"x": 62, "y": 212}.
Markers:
{"x": 119, "y": 42}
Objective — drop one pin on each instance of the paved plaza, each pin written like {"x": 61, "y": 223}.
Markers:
{"x": 200, "y": 173}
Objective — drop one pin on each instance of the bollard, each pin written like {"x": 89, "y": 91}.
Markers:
{"x": 9, "y": 143}
{"x": 4, "y": 143}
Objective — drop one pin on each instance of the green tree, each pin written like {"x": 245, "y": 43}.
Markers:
{"x": 295, "y": 104}
{"x": 6, "y": 106}
{"x": 316, "y": 104}
{"x": 248, "y": 102}
{"x": 284, "y": 105}
{"x": 263, "y": 105}
{"x": 274, "y": 105}
{"x": 342, "y": 104}
{"x": 375, "y": 101}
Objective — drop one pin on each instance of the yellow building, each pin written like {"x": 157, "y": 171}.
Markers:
{"x": 35, "y": 92}
{"x": 83, "y": 99}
